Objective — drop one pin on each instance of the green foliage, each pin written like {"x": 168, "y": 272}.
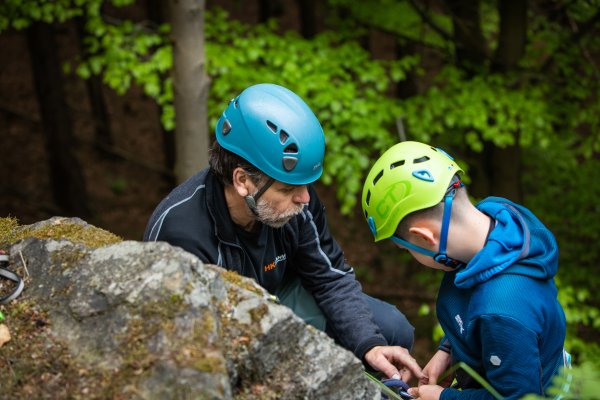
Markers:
{"x": 564, "y": 63}
{"x": 467, "y": 112}
{"x": 394, "y": 16}
{"x": 118, "y": 185}
{"x": 20, "y": 14}
{"x": 580, "y": 382}
{"x": 126, "y": 53}
{"x": 341, "y": 83}
{"x": 122, "y": 52}
{"x": 559, "y": 179}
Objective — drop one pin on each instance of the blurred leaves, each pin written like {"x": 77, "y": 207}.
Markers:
{"x": 580, "y": 382}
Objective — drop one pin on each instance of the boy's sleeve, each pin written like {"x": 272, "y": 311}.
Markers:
{"x": 445, "y": 345}
{"x": 510, "y": 358}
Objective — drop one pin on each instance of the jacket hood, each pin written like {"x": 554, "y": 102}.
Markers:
{"x": 518, "y": 244}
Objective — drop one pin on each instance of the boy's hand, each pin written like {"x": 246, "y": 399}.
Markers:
{"x": 388, "y": 359}
{"x": 426, "y": 392}
{"x": 439, "y": 363}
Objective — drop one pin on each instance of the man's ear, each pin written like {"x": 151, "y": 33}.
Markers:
{"x": 425, "y": 234}
{"x": 241, "y": 182}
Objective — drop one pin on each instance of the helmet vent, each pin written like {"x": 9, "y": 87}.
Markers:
{"x": 283, "y": 136}
{"x": 420, "y": 160}
{"x": 226, "y": 128}
{"x": 292, "y": 148}
{"x": 397, "y": 164}
{"x": 272, "y": 126}
{"x": 378, "y": 177}
{"x": 289, "y": 163}
{"x": 368, "y": 200}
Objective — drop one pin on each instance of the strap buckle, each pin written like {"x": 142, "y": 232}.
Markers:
{"x": 11, "y": 276}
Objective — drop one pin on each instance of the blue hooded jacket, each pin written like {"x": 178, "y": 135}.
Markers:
{"x": 500, "y": 313}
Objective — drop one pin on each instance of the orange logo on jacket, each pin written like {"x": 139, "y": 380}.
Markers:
{"x": 273, "y": 265}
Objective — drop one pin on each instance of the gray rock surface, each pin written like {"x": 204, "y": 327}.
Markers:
{"x": 157, "y": 323}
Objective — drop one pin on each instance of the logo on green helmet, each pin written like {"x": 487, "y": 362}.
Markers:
{"x": 393, "y": 194}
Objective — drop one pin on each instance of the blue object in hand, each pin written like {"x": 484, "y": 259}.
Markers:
{"x": 398, "y": 386}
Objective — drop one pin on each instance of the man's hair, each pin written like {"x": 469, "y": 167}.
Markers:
{"x": 435, "y": 212}
{"x": 222, "y": 162}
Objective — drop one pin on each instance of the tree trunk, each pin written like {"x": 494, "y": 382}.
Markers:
{"x": 68, "y": 183}
{"x": 506, "y": 169}
{"x": 513, "y": 34}
{"x": 407, "y": 87}
{"x": 471, "y": 49}
{"x": 190, "y": 86}
{"x": 268, "y": 9}
{"x": 497, "y": 170}
{"x": 155, "y": 11}
{"x": 308, "y": 18}
{"x": 505, "y": 163}
{"x": 103, "y": 134}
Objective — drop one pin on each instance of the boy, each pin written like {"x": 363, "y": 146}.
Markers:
{"x": 497, "y": 301}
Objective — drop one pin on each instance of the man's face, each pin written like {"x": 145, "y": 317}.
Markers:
{"x": 280, "y": 203}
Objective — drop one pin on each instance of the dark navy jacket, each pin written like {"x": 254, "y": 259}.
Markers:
{"x": 195, "y": 217}
{"x": 500, "y": 312}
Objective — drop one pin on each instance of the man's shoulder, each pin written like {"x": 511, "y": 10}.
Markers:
{"x": 182, "y": 207}
{"x": 190, "y": 187}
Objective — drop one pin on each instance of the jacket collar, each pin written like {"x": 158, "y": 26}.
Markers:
{"x": 217, "y": 208}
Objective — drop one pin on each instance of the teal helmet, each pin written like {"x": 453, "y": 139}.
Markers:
{"x": 273, "y": 129}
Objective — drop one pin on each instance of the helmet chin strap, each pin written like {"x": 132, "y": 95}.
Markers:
{"x": 441, "y": 256}
{"x": 251, "y": 200}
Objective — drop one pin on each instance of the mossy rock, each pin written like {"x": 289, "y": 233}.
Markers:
{"x": 73, "y": 229}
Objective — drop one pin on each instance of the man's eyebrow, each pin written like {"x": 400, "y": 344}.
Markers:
{"x": 290, "y": 186}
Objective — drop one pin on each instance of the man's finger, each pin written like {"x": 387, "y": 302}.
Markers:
{"x": 409, "y": 363}
{"x": 387, "y": 368}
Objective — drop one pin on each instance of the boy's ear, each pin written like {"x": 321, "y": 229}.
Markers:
{"x": 241, "y": 182}
{"x": 424, "y": 234}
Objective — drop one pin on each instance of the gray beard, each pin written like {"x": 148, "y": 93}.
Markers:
{"x": 270, "y": 217}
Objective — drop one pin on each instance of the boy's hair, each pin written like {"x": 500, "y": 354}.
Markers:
{"x": 222, "y": 162}
{"x": 435, "y": 213}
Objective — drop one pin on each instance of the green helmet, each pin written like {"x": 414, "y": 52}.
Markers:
{"x": 408, "y": 177}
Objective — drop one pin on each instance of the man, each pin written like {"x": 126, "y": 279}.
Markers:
{"x": 254, "y": 211}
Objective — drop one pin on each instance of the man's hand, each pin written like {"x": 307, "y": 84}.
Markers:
{"x": 394, "y": 360}
{"x": 439, "y": 363}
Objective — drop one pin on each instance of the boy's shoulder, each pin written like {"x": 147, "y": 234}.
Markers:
{"x": 513, "y": 295}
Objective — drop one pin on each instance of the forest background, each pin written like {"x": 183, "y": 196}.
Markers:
{"x": 106, "y": 105}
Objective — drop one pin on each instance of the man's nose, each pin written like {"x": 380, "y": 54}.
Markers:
{"x": 301, "y": 195}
